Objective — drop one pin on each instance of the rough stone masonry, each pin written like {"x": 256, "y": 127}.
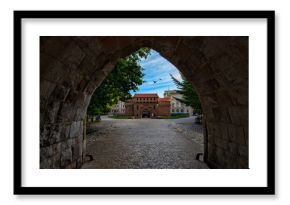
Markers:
{"x": 71, "y": 68}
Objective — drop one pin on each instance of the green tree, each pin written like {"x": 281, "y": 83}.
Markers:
{"x": 190, "y": 96}
{"x": 127, "y": 75}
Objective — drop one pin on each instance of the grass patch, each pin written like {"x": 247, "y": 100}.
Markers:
{"x": 174, "y": 116}
{"x": 120, "y": 117}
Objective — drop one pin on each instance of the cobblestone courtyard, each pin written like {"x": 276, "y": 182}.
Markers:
{"x": 145, "y": 144}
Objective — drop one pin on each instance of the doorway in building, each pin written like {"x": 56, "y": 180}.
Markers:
{"x": 145, "y": 114}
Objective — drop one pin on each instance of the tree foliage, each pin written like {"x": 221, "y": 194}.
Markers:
{"x": 190, "y": 96}
{"x": 127, "y": 75}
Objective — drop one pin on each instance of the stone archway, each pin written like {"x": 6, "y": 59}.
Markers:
{"x": 73, "y": 67}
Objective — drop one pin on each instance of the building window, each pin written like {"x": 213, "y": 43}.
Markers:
{"x": 177, "y": 110}
{"x": 182, "y": 110}
{"x": 173, "y": 110}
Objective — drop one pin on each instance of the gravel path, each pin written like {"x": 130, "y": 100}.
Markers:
{"x": 142, "y": 144}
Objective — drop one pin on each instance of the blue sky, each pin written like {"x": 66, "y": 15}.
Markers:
{"x": 157, "y": 68}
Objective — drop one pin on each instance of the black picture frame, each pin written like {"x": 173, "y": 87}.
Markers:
{"x": 269, "y": 189}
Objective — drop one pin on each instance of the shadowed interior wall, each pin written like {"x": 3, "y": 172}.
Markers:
{"x": 71, "y": 68}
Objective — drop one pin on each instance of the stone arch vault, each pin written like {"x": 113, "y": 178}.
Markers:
{"x": 71, "y": 68}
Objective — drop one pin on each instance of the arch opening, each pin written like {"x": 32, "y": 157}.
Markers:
{"x": 146, "y": 113}
{"x": 153, "y": 100}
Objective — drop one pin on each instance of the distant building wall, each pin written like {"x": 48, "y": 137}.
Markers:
{"x": 176, "y": 105}
{"x": 164, "y": 110}
{"x": 118, "y": 109}
{"x": 147, "y": 105}
{"x": 164, "y": 107}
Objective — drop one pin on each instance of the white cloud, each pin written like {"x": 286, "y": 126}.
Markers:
{"x": 157, "y": 72}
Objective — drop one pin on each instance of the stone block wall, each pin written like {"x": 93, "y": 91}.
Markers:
{"x": 61, "y": 145}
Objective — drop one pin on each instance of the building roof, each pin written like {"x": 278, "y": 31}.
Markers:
{"x": 166, "y": 99}
{"x": 176, "y": 98}
{"x": 142, "y": 95}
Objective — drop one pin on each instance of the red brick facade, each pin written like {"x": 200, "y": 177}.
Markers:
{"x": 147, "y": 105}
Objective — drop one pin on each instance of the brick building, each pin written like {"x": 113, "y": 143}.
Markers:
{"x": 147, "y": 105}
